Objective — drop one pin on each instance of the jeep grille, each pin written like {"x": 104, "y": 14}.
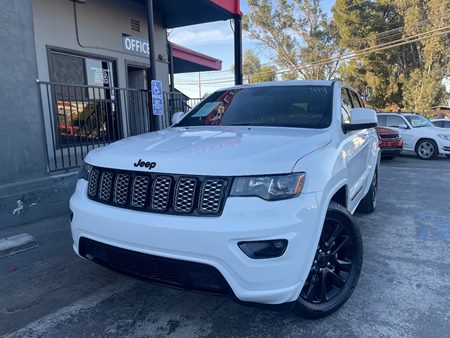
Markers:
{"x": 159, "y": 193}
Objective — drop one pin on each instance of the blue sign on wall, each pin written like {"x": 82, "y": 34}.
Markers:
{"x": 157, "y": 98}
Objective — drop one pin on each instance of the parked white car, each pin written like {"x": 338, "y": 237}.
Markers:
{"x": 441, "y": 123}
{"x": 418, "y": 133}
{"x": 250, "y": 194}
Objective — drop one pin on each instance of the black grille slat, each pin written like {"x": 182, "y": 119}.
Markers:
{"x": 139, "y": 191}
{"x": 121, "y": 189}
{"x": 389, "y": 136}
{"x": 93, "y": 182}
{"x": 211, "y": 196}
{"x": 159, "y": 193}
{"x": 185, "y": 194}
{"x": 106, "y": 184}
{"x": 172, "y": 272}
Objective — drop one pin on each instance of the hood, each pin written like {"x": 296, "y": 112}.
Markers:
{"x": 222, "y": 151}
{"x": 431, "y": 131}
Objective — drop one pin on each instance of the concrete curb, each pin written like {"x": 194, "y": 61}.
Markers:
{"x": 15, "y": 244}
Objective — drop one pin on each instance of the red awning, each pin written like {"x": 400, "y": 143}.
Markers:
{"x": 186, "y": 60}
{"x": 232, "y": 6}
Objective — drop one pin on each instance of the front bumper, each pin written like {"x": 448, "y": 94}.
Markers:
{"x": 391, "y": 151}
{"x": 213, "y": 240}
{"x": 444, "y": 146}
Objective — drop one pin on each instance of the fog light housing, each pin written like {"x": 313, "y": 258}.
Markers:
{"x": 264, "y": 249}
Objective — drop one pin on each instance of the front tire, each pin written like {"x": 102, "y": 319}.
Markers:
{"x": 427, "y": 149}
{"x": 336, "y": 267}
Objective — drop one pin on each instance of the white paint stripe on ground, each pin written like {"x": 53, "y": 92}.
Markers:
{"x": 415, "y": 168}
{"x": 44, "y": 325}
{"x": 14, "y": 244}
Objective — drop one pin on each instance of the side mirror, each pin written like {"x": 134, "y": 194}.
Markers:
{"x": 361, "y": 118}
{"x": 403, "y": 126}
{"x": 176, "y": 117}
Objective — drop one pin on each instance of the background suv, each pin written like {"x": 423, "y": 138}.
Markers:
{"x": 418, "y": 133}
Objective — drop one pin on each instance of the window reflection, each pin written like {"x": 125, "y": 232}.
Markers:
{"x": 84, "y": 99}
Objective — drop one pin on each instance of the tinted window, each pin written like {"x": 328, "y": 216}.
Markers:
{"x": 277, "y": 106}
{"x": 438, "y": 123}
{"x": 394, "y": 121}
{"x": 382, "y": 120}
{"x": 355, "y": 100}
{"x": 346, "y": 106}
{"x": 446, "y": 124}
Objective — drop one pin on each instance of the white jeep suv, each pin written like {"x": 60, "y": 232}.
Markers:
{"x": 250, "y": 194}
{"x": 418, "y": 133}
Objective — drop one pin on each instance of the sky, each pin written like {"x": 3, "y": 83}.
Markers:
{"x": 215, "y": 39}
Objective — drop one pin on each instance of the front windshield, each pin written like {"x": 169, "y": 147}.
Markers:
{"x": 418, "y": 121}
{"x": 275, "y": 106}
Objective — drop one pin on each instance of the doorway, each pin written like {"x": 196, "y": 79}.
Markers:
{"x": 137, "y": 100}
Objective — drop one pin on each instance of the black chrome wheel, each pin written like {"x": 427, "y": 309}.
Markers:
{"x": 336, "y": 266}
{"x": 331, "y": 266}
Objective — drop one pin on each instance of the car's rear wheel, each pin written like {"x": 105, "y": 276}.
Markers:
{"x": 336, "y": 267}
{"x": 427, "y": 149}
{"x": 369, "y": 203}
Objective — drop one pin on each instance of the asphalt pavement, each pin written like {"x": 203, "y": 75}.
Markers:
{"x": 403, "y": 290}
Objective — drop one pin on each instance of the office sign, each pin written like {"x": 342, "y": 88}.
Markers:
{"x": 135, "y": 46}
{"x": 157, "y": 98}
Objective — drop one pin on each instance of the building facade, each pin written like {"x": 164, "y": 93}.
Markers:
{"x": 76, "y": 75}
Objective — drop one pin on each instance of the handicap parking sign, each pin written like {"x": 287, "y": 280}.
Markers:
{"x": 157, "y": 98}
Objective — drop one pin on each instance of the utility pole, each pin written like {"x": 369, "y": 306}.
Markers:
{"x": 153, "y": 76}
{"x": 199, "y": 86}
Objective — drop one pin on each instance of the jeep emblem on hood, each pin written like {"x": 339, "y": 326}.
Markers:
{"x": 149, "y": 165}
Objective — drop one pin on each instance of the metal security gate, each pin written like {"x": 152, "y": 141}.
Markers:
{"x": 79, "y": 118}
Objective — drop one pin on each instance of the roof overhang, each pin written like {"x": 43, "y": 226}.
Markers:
{"x": 178, "y": 13}
{"x": 186, "y": 60}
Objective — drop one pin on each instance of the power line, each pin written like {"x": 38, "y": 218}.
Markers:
{"x": 381, "y": 35}
{"x": 377, "y": 48}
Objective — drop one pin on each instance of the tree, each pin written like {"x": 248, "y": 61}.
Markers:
{"x": 408, "y": 76}
{"x": 254, "y": 71}
{"x": 298, "y": 33}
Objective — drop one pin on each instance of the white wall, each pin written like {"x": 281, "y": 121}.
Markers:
{"x": 101, "y": 24}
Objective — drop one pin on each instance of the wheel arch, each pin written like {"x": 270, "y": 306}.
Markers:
{"x": 340, "y": 196}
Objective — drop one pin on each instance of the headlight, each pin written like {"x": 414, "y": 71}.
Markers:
{"x": 85, "y": 169}
{"x": 273, "y": 187}
{"x": 444, "y": 137}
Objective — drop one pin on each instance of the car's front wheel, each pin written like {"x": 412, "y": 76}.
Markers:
{"x": 336, "y": 267}
{"x": 427, "y": 149}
